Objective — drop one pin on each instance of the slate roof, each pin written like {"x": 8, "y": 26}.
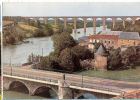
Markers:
{"x": 111, "y": 32}
{"x": 129, "y": 36}
{"x": 101, "y": 51}
{"x": 83, "y": 39}
{"x": 123, "y": 35}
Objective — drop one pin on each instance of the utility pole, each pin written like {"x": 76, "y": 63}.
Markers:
{"x": 82, "y": 80}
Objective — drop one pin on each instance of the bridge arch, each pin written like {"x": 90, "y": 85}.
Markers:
{"x": 18, "y": 83}
{"x": 81, "y": 95}
{"x": 45, "y": 89}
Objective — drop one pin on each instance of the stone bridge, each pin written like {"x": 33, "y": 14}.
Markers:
{"x": 65, "y": 18}
{"x": 66, "y": 86}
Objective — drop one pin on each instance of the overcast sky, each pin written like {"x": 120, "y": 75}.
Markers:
{"x": 71, "y": 9}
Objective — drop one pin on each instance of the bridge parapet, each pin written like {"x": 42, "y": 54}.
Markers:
{"x": 66, "y": 84}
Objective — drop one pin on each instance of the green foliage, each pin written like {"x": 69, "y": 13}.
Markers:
{"x": 63, "y": 57}
{"x": 129, "y": 52}
{"x": 82, "y": 52}
{"x": 38, "y": 33}
{"x": 60, "y": 28}
{"x": 62, "y": 41}
{"x": 69, "y": 61}
{"x": 47, "y": 30}
{"x": 48, "y": 62}
{"x": 115, "y": 59}
{"x": 129, "y": 55}
{"x": 12, "y": 36}
{"x": 80, "y": 24}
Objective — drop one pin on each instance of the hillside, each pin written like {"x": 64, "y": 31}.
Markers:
{"x": 15, "y": 34}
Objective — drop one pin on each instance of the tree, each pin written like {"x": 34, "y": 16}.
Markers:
{"x": 47, "y": 63}
{"x": 129, "y": 55}
{"x": 82, "y": 52}
{"x": 69, "y": 61}
{"x": 38, "y": 33}
{"x": 62, "y": 41}
{"x": 115, "y": 59}
{"x": 48, "y": 30}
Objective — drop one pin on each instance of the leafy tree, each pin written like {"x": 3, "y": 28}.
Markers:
{"x": 62, "y": 41}
{"x": 129, "y": 55}
{"x": 38, "y": 33}
{"x": 69, "y": 61}
{"x": 115, "y": 59}
{"x": 47, "y": 63}
{"x": 48, "y": 30}
{"x": 82, "y": 52}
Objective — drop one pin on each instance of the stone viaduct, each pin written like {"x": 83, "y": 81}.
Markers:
{"x": 94, "y": 19}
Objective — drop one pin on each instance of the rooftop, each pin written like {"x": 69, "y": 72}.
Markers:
{"x": 83, "y": 39}
{"x": 123, "y": 35}
{"x": 101, "y": 51}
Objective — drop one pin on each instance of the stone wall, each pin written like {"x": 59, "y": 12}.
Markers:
{"x": 100, "y": 62}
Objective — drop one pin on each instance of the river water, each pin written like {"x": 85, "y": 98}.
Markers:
{"x": 18, "y": 54}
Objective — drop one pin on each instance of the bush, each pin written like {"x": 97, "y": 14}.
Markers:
{"x": 38, "y": 33}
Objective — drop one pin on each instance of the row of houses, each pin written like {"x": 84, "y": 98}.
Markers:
{"x": 111, "y": 39}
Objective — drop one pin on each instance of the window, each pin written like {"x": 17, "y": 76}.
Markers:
{"x": 112, "y": 42}
{"x": 98, "y": 41}
{"x": 101, "y": 41}
{"x": 93, "y": 40}
{"x": 90, "y": 40}
{"x": 109, "y": 42}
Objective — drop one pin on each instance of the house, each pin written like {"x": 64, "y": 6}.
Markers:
{"x": 114, "y": 39}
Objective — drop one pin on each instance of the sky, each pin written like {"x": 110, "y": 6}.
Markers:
{"x": 71, "y": 9}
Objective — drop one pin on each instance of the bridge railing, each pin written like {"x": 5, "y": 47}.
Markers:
{"x": 74, "y": 83}
{"x": 31, "y": 77}
{"x": 98, "y": 88}
{"x": 13, "y": 65}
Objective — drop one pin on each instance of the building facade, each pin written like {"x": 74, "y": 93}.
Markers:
{"x": 115, "y": 39}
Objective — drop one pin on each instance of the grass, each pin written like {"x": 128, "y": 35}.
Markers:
{"x": 123, "y": 75}
{"x": 27, "y": 27}
{"x": 7, "y": 22}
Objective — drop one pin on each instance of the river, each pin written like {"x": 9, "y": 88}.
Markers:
{"x": 18, "y": 54}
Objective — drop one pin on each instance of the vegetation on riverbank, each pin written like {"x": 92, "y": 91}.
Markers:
{"x": 124, "y": 59}
{"x": 66, "y": 56}
{"x": 15, "y": 34}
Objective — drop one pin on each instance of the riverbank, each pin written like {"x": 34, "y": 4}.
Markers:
{"x": 44, "y": 46}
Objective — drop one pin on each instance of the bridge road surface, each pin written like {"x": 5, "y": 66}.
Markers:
{"x": 75, "y": 79}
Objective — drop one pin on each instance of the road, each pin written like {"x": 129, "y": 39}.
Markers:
{"x": 75, "y": 79}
